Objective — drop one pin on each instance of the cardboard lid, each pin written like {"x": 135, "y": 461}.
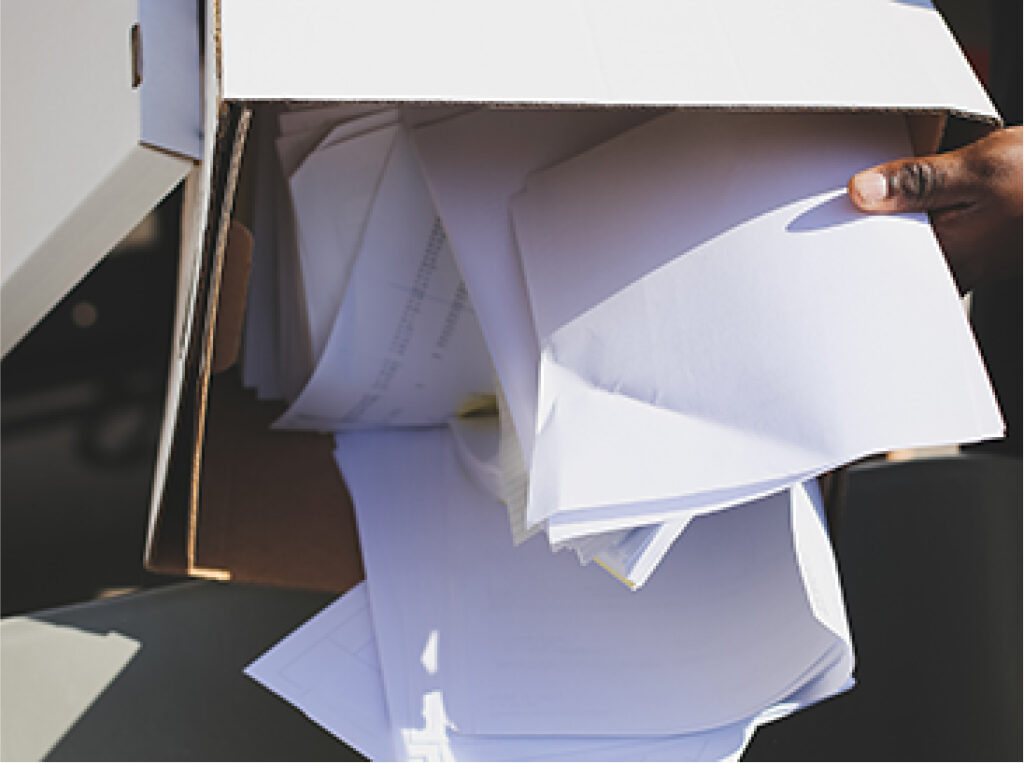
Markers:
{"x": 844, "y": 54}
{"x": 101, "y": 119}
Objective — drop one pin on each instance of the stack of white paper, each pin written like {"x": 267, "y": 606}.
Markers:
{"x": 329, "y": 668}
{"x": 359, "y": 315}
{"x": 682, "y": 310}
{"x": 693, "y": 359}
{"x": 484, "y": 651}
{"x": 680, "y": 321}
{"x": 691, "y": 314}
{"x": 374, "y": 326}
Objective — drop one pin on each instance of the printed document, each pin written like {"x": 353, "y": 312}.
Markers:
{"x": 405, "y": 348}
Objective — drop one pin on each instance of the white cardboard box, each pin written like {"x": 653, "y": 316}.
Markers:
{"x": 232, "y": 501}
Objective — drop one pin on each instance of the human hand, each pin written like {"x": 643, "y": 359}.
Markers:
{"x": 972, "y": 195}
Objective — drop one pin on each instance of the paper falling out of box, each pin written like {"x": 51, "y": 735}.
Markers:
{"x": 677, "y": 312}
{"x": 679, "y": 321}
{"x": 531, "y": 643}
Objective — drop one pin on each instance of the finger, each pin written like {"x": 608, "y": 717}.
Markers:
{"x": 915, "y": 185}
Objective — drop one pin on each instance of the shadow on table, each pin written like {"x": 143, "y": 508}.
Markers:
{"x": 182, "y": 696}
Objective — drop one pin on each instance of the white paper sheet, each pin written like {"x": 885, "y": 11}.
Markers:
{"x": 630, "y": 555}
{"x": 405, "y": 348}
{"x": 332, "y": 191}
{"x": 635, "y": 556}
{"x": 329, "y": 669}
{"x": 296, "y": 288}
{"x": 294, "y": 352}
{"x": 473, "y": 165}
{"x": 515, "y": 486}
{"x": 569, "y": 525}
{"x": 322, "y": 118}
{"x": 295, "y": 147}
{"x": 714, "y": 313}
{"x": 477, "y": 443}
{"x": 522, "y": 641}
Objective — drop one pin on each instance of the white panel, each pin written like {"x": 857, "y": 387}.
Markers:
{"x": 75, "y": 179}
{"x": 802, "y": 53}
{"x": 454, "y": 50}
{"x": 113, "y": 206}
{"x": 69, "y": 112}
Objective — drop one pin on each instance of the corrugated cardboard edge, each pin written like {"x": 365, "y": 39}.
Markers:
{"x": 171, "y": 511}
{"x": 219, "y": 245}
{"x": 195, "y": 213}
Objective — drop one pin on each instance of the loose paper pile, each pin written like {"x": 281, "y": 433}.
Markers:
{"x": 473, "y": 649}
{"x": 680, "y": 321}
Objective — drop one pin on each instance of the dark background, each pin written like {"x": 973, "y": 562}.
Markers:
{"x": 81, "y": 403}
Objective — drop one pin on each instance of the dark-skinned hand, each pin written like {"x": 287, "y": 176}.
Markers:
{"x": 972, "y": 195}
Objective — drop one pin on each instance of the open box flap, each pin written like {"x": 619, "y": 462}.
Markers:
{"x": 96, "y": 131}
{"x": 845, "y": 54}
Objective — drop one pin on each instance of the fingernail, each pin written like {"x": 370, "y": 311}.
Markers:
{"x": 870, "y": 188}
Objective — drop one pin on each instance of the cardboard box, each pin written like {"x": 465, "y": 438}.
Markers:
{"x": 101, "y": 120}
{"x": 232, "y": 500}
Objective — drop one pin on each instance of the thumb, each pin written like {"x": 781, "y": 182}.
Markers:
{"x": 914, "y": 185}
